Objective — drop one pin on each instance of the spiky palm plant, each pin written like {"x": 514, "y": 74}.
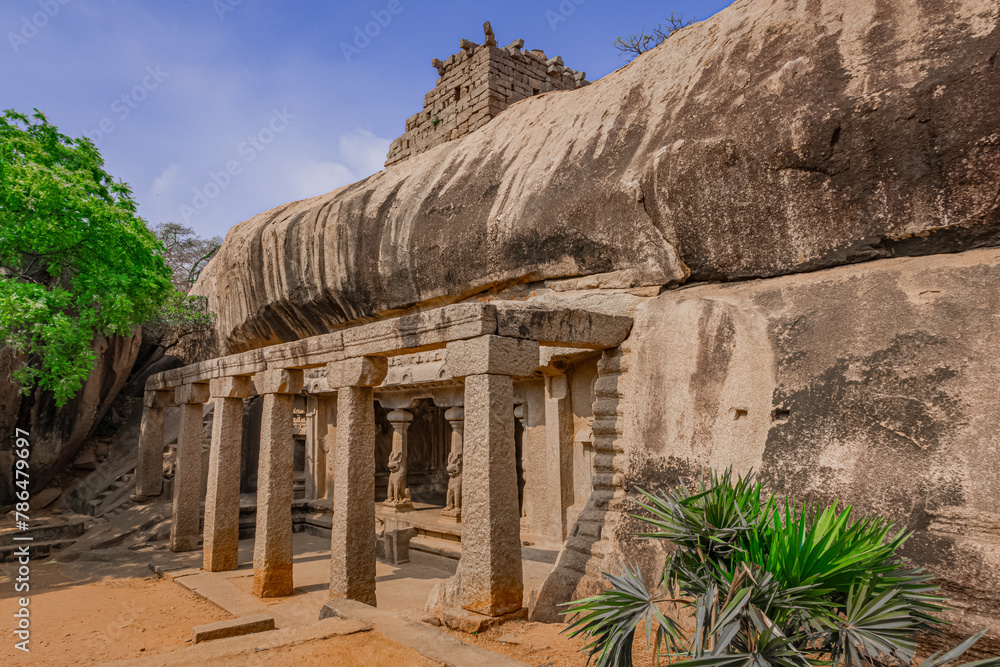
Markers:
{"x": 767, "y": 584}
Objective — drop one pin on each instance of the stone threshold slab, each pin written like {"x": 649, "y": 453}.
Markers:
{"x": 205, "y": 653}
{"x": 232, "y": 627}
{"x": 221, "y": 592}
{"x": 426, "y": 640}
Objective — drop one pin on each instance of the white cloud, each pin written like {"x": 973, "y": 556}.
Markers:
{"x": 363, "y": 152}
{"x": 167, "y": 180}
{"x": 312, "y": 177}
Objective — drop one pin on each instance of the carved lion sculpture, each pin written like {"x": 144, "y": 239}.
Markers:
{"x": 454, "y": 497}
{"x": 398, "y": 493}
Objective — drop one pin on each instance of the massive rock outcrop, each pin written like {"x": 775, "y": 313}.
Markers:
{"x": 769, "y": 139}
{"x": 56, "y": 433}
{"x": 875, "y": 384}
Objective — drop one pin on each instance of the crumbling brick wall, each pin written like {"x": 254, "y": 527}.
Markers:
{"x": 476, "y": 84}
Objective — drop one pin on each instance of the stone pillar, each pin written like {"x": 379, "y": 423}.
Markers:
{"x": 185, "y": 527}
{"x": 222, "y": 498}
{"x": 315, "y": 458}
{"x": 558, "y": 459}
{"x": 453, "y": 504}
{"x": 272, "y": 549}
{"x": 398, "y": 497}
{"x": 149, "y": 468}
{"x": 492, "y": 576}
{"x": 352, "y": 542}
{"x": 521, "y": 415}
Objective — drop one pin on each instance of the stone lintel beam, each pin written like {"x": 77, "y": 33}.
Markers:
{"x": 244, "y": 363}
{"x": 405, "y": 398}
{"x": 278, "y": 381}
{"x": 159, "y": 399}
{"x": 357, "y": 372}
{"x": 493, "y": 355}
{"x": 426, "y": 330}
{"x": 187, "y": 394}
{"x": 236, "y": 386}
{"x": 318, "y": 387}
{"x": 563, "y": 327}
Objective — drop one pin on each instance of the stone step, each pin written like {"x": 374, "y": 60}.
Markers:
{"x": 436, "y": 546}
{"x": 115, "y": 497}
{"x": 49, "y": 529}
{"x": 35, "y": 549}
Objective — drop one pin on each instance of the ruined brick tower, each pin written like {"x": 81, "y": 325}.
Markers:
{"x": 476, "y": 84}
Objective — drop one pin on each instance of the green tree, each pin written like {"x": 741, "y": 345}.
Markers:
{"x": 76, "y": 260}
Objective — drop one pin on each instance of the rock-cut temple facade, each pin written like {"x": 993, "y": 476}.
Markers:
{"x": 770, "y": 243}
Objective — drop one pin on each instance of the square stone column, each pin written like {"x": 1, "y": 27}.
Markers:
{"x": 321, "y": 410}
{"x": 185, "y": 528}
{"x": 222, "y": 500}
{"x": 492, "y": 576}
{"x": 149, "y": 467}
{"x": 352, "y": 543}
{"x": 558, "y": 458}
{"x": 272, "y": 549}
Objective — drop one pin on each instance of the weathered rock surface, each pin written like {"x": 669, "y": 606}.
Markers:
{"x": 56, "y": 434}
{"x": 769, "y": 139}
{"x": 878, "y": 384}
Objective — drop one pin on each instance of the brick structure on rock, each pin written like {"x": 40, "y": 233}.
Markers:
{"x": 475, "y": 85}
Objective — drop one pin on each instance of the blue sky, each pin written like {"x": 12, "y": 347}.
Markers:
{"x": 215, "y": 110}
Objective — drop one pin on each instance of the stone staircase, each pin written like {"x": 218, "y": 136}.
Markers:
{"x": 48, "y": 536}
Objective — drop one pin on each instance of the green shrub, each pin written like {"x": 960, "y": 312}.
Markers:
{"x": 767, "y": 584}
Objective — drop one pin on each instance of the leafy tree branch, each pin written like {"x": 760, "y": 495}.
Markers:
{"x": 76, "y": 261}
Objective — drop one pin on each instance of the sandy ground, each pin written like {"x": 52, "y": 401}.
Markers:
{"x": 93, "y": 613}
{"x": 543, "y": 645}
{"x": 100, "y": 622}
{"x": 357, "y": 650}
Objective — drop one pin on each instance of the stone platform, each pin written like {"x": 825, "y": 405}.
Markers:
{"x": 401, "y": 593}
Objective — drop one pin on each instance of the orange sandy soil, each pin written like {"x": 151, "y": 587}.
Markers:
{"x": 77, "y": 620}
{"x": 542, "y": 645}
{"x": 114, "y": 619}
{"x": 363, "y": 649}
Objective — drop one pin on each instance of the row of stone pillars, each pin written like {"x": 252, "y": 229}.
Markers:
{"x": 485, "y": 498}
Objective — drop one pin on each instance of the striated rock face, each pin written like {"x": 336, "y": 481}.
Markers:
{"x": 770, "y": 139}
{"x": 877, "y": 384}
{"x": 56, "y": 434}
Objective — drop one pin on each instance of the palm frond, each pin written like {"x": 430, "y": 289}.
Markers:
{"x": 611, "y": 618}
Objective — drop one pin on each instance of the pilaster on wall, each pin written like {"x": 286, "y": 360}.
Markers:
{"x": 577, "y": 572}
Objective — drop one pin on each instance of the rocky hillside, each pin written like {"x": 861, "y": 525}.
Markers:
{"x": 772, "y": 138}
